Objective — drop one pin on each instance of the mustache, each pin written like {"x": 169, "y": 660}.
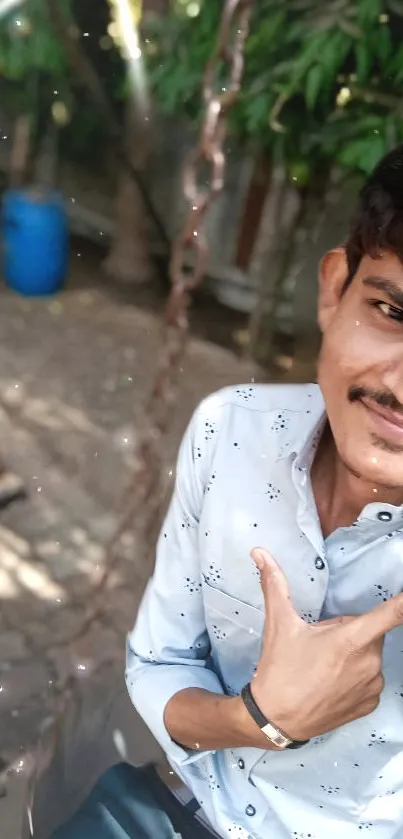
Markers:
{"x": 384, "y": 398}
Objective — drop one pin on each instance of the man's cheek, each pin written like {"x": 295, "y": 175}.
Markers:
{"x": 351, "y": 357}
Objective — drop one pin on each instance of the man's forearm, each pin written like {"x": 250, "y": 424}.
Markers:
{"x": 200, "y": 720}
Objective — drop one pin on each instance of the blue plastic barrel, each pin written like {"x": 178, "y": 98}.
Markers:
{"x": 34, "y": 232}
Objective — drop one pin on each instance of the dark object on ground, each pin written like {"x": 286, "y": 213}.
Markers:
{"x": 11, "y": 489}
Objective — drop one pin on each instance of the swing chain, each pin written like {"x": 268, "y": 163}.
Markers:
{"x": 190, "y": 251}
{"x": 141, "y": 503}
{"x": 142, "y": 500}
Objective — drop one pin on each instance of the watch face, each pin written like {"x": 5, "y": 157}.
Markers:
{"x": 275, "y": 736}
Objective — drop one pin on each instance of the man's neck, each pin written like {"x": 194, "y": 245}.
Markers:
{"x": 339, "y": 494}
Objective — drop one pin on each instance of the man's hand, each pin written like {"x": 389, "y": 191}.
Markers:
{"x": 314, "y": 678}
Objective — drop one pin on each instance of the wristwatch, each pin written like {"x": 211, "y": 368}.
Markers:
{"x": 271, "y": 731}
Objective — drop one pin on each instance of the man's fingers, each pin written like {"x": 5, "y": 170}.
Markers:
{"x": 372, "y": 626}
{"x": 274, "y": 583}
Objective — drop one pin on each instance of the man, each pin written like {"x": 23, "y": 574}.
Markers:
{"x": 267, "y": 658}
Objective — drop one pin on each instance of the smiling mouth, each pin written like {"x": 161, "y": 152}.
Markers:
{"x": 387, "y": 423}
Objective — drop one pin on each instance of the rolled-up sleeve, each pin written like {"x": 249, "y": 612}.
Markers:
{"x": 168, "y": 649}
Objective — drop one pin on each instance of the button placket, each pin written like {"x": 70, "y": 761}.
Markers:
{"x": 244, "y": 787}
{"x": 309, "y": 526}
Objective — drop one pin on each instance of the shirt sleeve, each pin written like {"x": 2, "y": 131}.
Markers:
{"x": 169, "y": 648}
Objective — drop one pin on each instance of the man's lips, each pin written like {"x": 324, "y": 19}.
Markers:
{"x": 388, "y": 422}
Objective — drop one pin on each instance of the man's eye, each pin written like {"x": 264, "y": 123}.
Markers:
{"x": 391, "y": 311}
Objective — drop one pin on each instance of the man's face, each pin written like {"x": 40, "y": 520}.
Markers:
{"x": 360, "y": 367}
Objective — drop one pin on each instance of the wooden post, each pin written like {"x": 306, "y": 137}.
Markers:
{"x": 20, "y": 151}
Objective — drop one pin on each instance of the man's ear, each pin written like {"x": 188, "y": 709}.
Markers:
{"x": 333, "y": 273}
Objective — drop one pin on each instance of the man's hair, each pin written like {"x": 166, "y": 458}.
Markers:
{"x": 378, "y": 222}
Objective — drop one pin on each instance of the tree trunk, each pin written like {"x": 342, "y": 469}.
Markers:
{"x": 129, "y": 260}
{"x": 45, "y": 163}
{"x": 280, "y": 210}
{"x": 326, "y": 194}
{"x": 20, "y": 151}
{"x": 156, "y": 7}
{"x": 277, "y": 331}
{"x": 303, "y": 227}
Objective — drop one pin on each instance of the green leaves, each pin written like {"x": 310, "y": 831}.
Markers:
{"x": 314, "y": 83}
{"x": 332, "y": 72}
{"x": 363, "y": 61}
{"x": 363, "y": 154}
{"x": 36, "y": 76}
{"x": 28, "y": 43}
{"x": 299, "y": 56}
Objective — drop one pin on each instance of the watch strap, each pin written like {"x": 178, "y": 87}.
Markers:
{"x": 271, "y": 731}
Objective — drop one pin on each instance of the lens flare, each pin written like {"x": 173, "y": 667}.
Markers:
{"x": 7, "y": 6}
{"x": 125, "y": 32}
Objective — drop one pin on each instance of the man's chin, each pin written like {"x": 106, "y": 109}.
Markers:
{"x": 377, "y": 466}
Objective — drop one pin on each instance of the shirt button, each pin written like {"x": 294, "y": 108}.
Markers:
{"x": 241, "y": 763}
{"x": 250, "y": 810}
{"x": 384, "y": 515}
{"x": 319, "y": 564}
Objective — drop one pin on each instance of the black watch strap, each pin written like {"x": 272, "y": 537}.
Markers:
{"x": 266, "y": 725}
{"x": 253, "y": 709}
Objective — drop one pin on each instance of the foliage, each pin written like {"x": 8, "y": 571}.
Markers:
{"x": 28, "y": 51}
{"x": 26, "y": 40}
{"x": 36, "y": 78}
{"x": 323, "y": 81}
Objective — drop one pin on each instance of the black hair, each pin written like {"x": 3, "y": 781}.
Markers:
{"x": 378, "y": 223}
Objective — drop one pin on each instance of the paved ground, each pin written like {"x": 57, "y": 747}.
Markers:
{"x": 74, "y": 375}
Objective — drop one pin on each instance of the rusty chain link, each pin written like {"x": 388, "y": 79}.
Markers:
{"x": 218, "y": 98}
{"x": 142, "y": 499}
{"x": 141, "y": 505}
{"x": 188, "y": 265}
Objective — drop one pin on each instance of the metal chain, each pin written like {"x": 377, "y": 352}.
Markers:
{"x": 142, "y": 500}
{"x": 190, "y": 251}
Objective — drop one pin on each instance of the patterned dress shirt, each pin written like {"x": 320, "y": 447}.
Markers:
{"x": 243, "y": 480}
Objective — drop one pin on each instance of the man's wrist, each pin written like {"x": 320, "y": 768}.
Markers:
{"x": 248, "y": 732}
{"x": 285, "y": 722}
{"x": 272, "y": 730}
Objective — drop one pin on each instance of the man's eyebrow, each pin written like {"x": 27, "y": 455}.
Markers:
{"x": 393, "y": 290}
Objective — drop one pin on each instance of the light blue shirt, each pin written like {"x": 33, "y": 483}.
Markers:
{"x": 243, "y": 480}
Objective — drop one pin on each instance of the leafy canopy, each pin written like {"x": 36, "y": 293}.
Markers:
{"x": 323, "y": 81}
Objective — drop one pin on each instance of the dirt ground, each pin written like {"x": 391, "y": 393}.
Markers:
{"x": 75, "y": 371}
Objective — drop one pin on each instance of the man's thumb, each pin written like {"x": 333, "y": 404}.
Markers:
{"x": 273, "y": 580}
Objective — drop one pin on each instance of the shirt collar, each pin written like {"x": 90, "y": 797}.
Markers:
{"x": 305, "y": 430}
{"x": 301, "y": 447}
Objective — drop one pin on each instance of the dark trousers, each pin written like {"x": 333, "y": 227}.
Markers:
{"x": 132, "y": 803}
